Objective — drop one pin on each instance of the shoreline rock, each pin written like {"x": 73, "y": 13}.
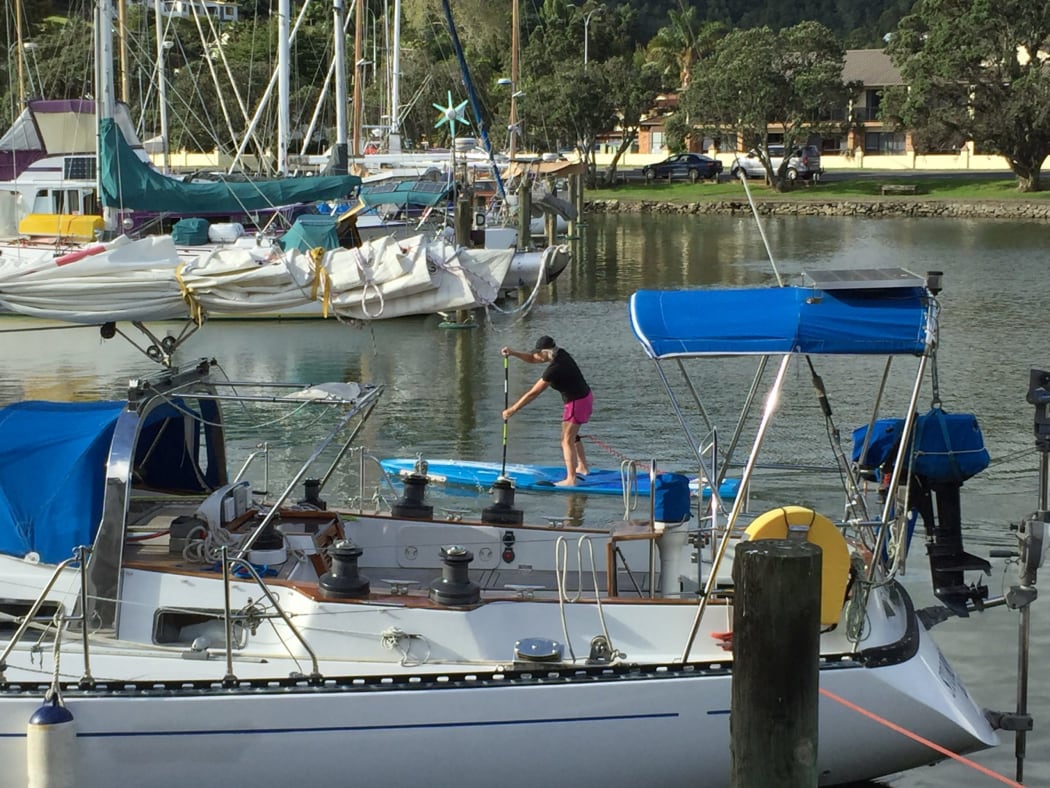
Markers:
{"x": 864, "y": 208}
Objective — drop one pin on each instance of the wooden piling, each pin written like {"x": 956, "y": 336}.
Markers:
{"x": 524, "y": 215}
{"x": 776, "y": 650}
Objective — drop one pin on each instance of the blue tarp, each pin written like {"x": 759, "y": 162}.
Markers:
{"x": 52, "y": 472}
{"x": 775, "y": 320}
{"x": 53, "y": 460}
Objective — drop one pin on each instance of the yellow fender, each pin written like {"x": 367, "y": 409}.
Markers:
{"x": 835, "y": 563}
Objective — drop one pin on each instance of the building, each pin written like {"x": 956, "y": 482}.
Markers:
{"x": 219, "y": 10}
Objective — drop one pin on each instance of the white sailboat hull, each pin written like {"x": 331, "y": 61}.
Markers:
{"x": 641, "y": 726}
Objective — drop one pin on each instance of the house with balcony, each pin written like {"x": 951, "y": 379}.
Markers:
{"x": 862, "y": 138}
{"x": 219, "y": 10}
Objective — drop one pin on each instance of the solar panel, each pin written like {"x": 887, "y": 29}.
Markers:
{"x": 865, "y": 279}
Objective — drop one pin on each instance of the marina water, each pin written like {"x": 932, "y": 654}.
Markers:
{"x": 444, "y": 391}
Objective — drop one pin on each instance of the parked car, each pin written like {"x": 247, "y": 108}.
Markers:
{"x": 804, "y": 163}
{"x": 686, "y": 166}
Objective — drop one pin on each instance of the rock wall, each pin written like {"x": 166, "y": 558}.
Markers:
{"x": 1004, "y": 209}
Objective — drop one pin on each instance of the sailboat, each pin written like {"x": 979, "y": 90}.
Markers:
{"x": 235, "y": 274}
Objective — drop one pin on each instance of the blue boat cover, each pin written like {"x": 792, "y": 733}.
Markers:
{"x": 53, "y": 465}
{"x": 774, "y": 320}
{"x": 52, "y": 471}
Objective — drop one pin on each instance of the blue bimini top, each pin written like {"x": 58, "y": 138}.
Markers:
{"x": 52, "y": 475}
{"x": 776, "y": 320}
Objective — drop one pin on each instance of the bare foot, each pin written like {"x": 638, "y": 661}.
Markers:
{"x": 566, "y": 483}
{"x": 581, "y": 471}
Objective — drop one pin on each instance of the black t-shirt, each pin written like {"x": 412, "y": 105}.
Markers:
{"x": 565, "y": 377}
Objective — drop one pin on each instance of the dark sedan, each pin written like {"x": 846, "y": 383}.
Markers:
{"x": 684, "y": 166}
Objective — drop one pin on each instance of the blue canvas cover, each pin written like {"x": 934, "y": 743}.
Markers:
{"x": 128, "y": 182}
{"x": 52, "y": 471}
{"x": 774, "y": 320}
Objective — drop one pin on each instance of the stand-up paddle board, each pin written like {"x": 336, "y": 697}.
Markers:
{"x": 536, "y": 478}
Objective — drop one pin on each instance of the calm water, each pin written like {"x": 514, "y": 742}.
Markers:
{"x": 445, "y": 388}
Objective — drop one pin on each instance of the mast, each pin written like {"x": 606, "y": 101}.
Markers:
{"x": 475, "y": 106}
{"x": 284, "y": 15}
{"x": 339, "y": 49}
{"x": 122, "y": 37}
{"x": 513, "y": 125}
{"x": 359, "y": 23}
{"x": 20, "y": 46}
{"x": 162, "y": 85}
{"x": 394, "y": 141}
{"x": 106, "y": 103}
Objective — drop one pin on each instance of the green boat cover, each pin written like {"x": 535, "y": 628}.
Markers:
{"x": 128, "y": 182}
{"x": 310, "y": 232}
{"x": 190, "y": 232}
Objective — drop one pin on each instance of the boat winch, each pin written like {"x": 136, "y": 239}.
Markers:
{"x": 411, "y": 504}
{"x": 502, "y": 511}
{"x": 344, "y": 580}
{"x": 455, "y": 587}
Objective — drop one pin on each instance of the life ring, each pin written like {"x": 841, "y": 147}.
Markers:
{"x": 835, "y": 563}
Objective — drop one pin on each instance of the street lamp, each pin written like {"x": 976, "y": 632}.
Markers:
{"x": 586, "y": 23}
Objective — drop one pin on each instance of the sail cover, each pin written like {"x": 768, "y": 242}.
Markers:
{"x": 774, "y": 320}
{"x": 129, "y": 183}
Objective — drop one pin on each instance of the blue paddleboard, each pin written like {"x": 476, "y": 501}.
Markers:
{"x": 534, "y": 478}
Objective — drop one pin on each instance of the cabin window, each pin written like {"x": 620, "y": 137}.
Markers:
{"x": 179, "y": 627}
{"x": 12, "y": 611}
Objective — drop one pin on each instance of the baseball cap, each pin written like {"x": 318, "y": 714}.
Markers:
{"x": 544, "y": 343}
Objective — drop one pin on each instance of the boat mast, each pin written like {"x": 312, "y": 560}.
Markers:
{"x": 162, "y": 85}
{"x": 475, "y": 106}
{"x": 122, "y": 37}
{"x": 513, "y": 125}
{"x": 284, "y": 15}
{"x": 394, "y": 140}
{"x": 106, "y": 103}
{"x": 359, "y": 22}
{"x": 339, "y": 51}
{"x": 21, "y": 54}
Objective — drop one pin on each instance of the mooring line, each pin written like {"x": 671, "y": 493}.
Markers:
{"x": 921, "y": 740}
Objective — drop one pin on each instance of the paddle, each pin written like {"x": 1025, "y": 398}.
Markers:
{"x": 506, "y": 404}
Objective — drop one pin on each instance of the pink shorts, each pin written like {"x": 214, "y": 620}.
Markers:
{"x": 579, "y": 410}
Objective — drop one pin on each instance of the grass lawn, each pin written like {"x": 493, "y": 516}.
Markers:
{"x": 955, "y": 188}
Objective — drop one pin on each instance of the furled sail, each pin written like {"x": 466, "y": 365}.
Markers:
{"x": 127, "y": 182}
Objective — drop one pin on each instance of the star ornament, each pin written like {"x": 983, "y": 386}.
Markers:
{"x": 451, "y": 114}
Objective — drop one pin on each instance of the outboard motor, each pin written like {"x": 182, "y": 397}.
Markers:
{"x": 948, "y": 450}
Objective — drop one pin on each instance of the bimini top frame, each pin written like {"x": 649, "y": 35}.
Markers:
{"x": 887, "y": 312}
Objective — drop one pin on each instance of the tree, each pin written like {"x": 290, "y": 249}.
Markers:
{"x": 678, "y": 46}
{"x": 756, "y": 82}
{"x": 977, "y": 71}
